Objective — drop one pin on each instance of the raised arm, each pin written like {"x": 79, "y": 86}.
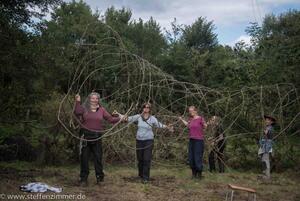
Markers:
{"x": 108, "y": 117}
{"x": 79, "y": 109}
{"x": 268, "y": 133}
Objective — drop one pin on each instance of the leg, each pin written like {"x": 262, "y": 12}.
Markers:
{"x": 198, "y": 156}
{"x": 227, "y": 195}
{"x": 268, "y": 168}
{"x": 191, "y": 157}
{"x": 211, "y": 160}
{"x": 96, "y": 148}
{"x": 139, "y": 155}
{"x": 232, "y": 194}
{"x": 84, "y": 162}
{"x": 147, "y": 159}
{"x": 220, "y": 156}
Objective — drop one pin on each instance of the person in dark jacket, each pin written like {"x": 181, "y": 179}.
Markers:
{"x": 217, "y": 144}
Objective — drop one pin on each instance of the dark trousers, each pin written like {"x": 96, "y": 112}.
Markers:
{"x": 196, "y": 149}
{"x": 144, "y": 156}
{"x": 91, "y": 148}
{"x": 218, "y": 151}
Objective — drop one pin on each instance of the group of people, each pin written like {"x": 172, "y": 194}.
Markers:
{"x": 91, "y": 116}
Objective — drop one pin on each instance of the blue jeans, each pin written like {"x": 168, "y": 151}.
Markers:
{"x": 196, "y": 149}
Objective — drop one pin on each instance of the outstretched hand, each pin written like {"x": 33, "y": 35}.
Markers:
{"x": 170, "y": 128}
{"x": 117, "y": 114}
{"x": 182, "y": 120}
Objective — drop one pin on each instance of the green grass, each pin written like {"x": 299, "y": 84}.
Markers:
{"x": 168, "y": 183}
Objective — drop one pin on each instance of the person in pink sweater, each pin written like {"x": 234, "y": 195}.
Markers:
{"x": 91, "y": 116}
{"x": 196, "y": 125}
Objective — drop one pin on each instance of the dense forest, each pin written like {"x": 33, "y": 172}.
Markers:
{"x": 40, "y": 57}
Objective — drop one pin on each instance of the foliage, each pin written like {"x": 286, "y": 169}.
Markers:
{"x": 39, "y": 62}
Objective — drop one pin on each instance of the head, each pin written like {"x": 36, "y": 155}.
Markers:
{"x": 146, "y": 108}
{"x": 269, "y": 120}
{"x": 215, "y": 119}
{"x": 92, "y": 100}
{"x": 193, "y": 111}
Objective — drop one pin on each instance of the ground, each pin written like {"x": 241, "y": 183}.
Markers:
{"x": 168, "y": 183}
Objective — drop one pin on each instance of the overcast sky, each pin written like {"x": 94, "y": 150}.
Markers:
{"x": 230, "y": 17}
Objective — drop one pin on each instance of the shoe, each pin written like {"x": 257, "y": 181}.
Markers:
{"x": 145, "y": 181}
{"x": 99, "y": 180}
{"x": 83, "y": 183}
{"x": 199, "y": 175}
{"x": 194, "y": 174}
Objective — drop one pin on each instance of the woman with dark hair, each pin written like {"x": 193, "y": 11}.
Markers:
{"x": 196, "y": 125}
{"x": 145, "y": 139}
{"x": 91, "y": 116}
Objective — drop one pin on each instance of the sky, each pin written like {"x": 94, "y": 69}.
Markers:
{"x": 230, "y": 17}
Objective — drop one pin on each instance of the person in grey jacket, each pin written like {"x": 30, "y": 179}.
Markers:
{"x": 145, "y": 139}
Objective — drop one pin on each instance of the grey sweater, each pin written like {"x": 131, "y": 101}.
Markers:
{"x": 145, "y": 131}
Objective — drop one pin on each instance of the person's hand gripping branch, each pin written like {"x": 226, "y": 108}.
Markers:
{"x": 123, "y": 118}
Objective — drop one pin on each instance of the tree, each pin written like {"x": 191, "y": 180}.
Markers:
{"x": 201, "y": 41}
{"x": 277, "y": 47}
{"x": 148, "y": 39}
{"x": 72, "y": 26}
{"x": 200, "y": 35}
{"x": 18, "y": 56}
{"x": 21, "y": 11}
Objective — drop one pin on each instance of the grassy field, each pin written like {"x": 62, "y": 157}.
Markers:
{"x": 167, "y": 183}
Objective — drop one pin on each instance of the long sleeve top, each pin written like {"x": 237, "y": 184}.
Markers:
{"x": 266, "y": 141}
{"x": 93, "y": 121}
{"x": 196, "y": 127}
{"x": 145, "y": 131}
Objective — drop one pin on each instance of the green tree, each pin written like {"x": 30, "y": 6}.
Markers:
{"x": 65, "y": 40}
{"x": 200, "y": 39}
{"x": 18, "y": 51}
{"x": 148, "y": 39}
{"x": 200, "y": 35}
{"x": 277, "y": 47}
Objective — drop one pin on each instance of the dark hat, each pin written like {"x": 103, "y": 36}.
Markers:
{"x": 270, "y": 117}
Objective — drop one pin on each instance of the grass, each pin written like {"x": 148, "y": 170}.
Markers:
{"x": 168, "y": 183}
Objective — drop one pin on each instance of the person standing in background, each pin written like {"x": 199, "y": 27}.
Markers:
{"x": 265, "y": 149}
{"x": 217, "y": 143}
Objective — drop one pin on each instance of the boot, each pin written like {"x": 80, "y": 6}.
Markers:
{"x": 194, "y": 173}
{"x": 83, "y": 182}
{"x": 99, "y": 179}
{"x": 199, "y": 175}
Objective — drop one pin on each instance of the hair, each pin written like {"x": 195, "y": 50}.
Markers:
{"x": 193, "y": 107}
{"x": 147, "y": 103}
{"x": 217, "y": 119}
{"x": 87, "y": 103}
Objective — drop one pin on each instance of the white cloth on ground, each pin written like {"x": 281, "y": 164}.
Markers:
{"x": 38, "y": 187}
